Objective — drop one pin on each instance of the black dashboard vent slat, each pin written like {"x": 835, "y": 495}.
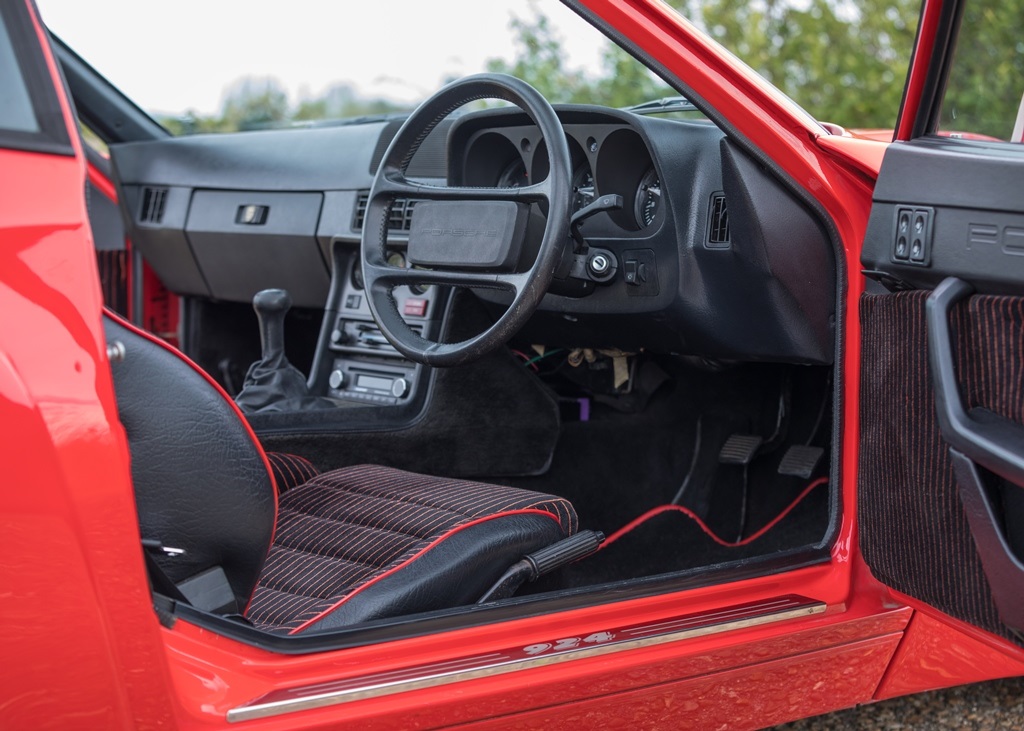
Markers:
{"x": 361, "y": 201}
{"x": 407, "y": 219}
{"x": 397, "y": 215}
{"x": 718, "y": 233}
{"x": 153, "y": 202}
{"x": 400, "y": 218}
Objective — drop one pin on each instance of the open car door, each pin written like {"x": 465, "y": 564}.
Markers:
{"x": 941, "y": 477}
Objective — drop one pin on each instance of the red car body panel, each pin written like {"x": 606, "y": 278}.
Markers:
{"x": 920, "y": 65}
{"x": 80, "y": 644}
{"x": 103, "y": 184}
{"x": 84, "y": 648}
{"x": 933, "y": 652}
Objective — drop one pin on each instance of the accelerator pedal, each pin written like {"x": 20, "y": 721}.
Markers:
{"x": 536, "y": 564}
{"x": 800, "y": 460}
{"x": 739, "y": 449}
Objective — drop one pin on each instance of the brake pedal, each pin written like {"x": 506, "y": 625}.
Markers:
{"x": 800, "y": 460}
{"x": 739, "y": 449}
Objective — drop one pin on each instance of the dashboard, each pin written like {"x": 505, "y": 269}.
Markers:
{"x": 717, "y": 258}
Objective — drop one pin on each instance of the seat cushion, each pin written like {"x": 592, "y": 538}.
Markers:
{"x": 290, "y": 470}
{"x": 365, "y": 542}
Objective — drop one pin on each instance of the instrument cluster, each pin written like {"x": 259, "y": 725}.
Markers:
{"x": 606, "y": 158}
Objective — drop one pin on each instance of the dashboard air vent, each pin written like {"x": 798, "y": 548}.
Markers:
{"x": 718, "y": 235}
{"x": 400, "y": 218}
{"x": 153, "y": 202}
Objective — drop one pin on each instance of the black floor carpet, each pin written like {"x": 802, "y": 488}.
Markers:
{"x": 616, "y": 466}
{"x": 672, "y": 541}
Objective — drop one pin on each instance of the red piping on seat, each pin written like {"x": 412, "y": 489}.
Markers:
{"x": 241, "y": 417}
{"x": 293, "y": 468}
{"x": 436, "y": 541}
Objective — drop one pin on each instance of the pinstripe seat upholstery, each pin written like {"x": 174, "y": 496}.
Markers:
{"x": 290, "y": 470}
{"x": 304, "y": 551}
{"x": 344, "y": 534}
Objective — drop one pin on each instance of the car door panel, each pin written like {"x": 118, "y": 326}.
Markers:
{"x": 967, "y": 195}
{"x": 940, "y": 521}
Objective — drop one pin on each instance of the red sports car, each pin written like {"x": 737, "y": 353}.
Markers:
{"x": 589, "y": 417}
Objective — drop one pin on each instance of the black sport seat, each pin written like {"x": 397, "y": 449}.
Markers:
{"x": 341, "y": 547}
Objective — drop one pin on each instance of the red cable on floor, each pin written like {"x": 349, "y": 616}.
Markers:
{"x": 703, "y": 526}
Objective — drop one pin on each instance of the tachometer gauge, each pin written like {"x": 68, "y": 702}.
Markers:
{"x": 395, "y": 259}
{"x": 583, "y": 190}
{"x": 648, "y": 198}
{"x": 514, "y": 175}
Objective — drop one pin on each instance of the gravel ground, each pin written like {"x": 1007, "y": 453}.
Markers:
{"x": 998, "y": 704}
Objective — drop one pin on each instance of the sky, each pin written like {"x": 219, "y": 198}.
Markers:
{"x": 170, "y": 57}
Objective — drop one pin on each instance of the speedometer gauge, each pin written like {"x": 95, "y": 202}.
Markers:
{"x": 514, "y": 175}
{"x": 648, "y": 198}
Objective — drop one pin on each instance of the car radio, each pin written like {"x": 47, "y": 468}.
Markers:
{"x": 372, "y": 384}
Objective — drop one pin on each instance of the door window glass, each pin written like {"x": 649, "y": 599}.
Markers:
{"x": 31, "y": 117}
{"x": 984, "y": 94}
{"x": 16, "y": 112}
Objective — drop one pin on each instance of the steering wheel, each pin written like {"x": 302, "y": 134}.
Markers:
{"x": 469, "y": 237}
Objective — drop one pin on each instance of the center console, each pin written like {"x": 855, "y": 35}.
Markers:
{"x": 361, "y": 365}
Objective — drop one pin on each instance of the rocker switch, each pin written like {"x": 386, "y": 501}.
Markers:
{"x": 640, "y": 270}
{"x": 912, "y": 243}
{"x": 636, "y": 272}
{"x": 415, "y": 307}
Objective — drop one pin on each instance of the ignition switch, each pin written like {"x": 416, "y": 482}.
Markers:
{"x": 584, "y": 263}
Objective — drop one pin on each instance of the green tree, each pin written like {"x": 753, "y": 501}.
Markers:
{"x": 540, "y": 62}
{"x": 844, "y": 62}
{"x": 254, "y": 103}
{"x": 341, "y": 101}
{"x": 192, "y": 123}
{"x": 986, "y": 80}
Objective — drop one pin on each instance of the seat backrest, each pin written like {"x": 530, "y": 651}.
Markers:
{"x": 202, "y": 482}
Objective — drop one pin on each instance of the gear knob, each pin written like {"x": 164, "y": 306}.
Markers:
{"x": 271, "y": 306}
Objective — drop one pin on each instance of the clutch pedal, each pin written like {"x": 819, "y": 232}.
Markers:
{"x": 739, "y": 449}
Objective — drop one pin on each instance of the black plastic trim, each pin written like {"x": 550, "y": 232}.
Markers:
{"x": 938, "y": 171}
{"x": 978, "y": 215}
{"x": 993, "y": 441}
{"x": 53, "y": 137}
{"x": 1005, "y": 573}
{"x": 927, "y": 118}
{"x": 284, "y": 160}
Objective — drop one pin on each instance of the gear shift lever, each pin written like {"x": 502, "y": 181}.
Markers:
{"x": 271, "y": 306}
{"x": 272, "y": 383}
